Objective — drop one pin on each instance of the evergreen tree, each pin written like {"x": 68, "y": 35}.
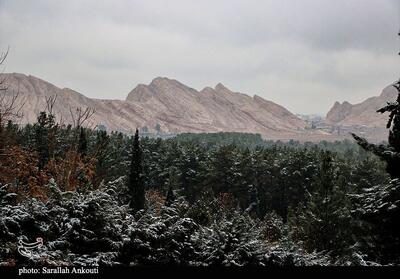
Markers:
{"x": 368, "y": 173}
{"x": 45, "y": 123}
{"x": 170, "y": 196}
{"x": 389, "y": 153}
{"x": 102, "y": 154}
{"x": 222, "y": 169}
{"x": 83, "y": 143}
{"x": 325, "y": 223}
{"x": 378, "y": 206}
{"x": 191, "y": 171}
{"x": 244, "y": 188}
{"x": 172, "y": 181}
{"x": 378, "y": 213}
{"x": 135, "y": 183}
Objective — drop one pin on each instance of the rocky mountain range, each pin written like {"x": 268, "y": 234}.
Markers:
{"x": 168, "y": 103}
{"x": 364, "y": 113}
{"x": 177, "y": 108}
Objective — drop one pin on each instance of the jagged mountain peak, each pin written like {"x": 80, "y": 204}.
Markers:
{"x": 159, "y": 87}
{"x": 221, "y": 87}
{"x": 162, "y": 80}
{"x": 166, "y": 83}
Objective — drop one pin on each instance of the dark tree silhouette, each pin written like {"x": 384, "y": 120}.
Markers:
{"x": 378, "y": 206}
{"x": 135, "y": 182}
{"x": 45, "y": 122}
{"x": 83, "y": 143}
{"x": 170, "y": 196}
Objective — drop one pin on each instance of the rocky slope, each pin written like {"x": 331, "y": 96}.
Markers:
{"x": 213, "y": 109}
{"x": 173, "y": 105}
{"x": 364, "y": 113}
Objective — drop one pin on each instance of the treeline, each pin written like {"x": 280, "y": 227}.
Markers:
{"x": 345, "y": 147}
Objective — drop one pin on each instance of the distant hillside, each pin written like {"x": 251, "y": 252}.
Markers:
{"x": 363, "y": 113}
{"x": 170, "y": 106}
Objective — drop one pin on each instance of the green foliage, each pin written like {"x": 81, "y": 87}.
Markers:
{"x": 325, "y": 224}
{"x": 273, "y": 197}
{"x": 378, "y": 210}
{"x": 44, "y": 134}
{"x": 135, "y": 183}
{"x": 377, "y": 205}
{"x": 83, "y": 144}
{"x": 219, "y": 139}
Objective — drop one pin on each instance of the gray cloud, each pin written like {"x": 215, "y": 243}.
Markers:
{"x": 302, "y": 54}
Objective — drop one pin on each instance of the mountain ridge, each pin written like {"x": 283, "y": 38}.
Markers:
{"x": 173, "y": 105}
{"x": 363, "y": 113}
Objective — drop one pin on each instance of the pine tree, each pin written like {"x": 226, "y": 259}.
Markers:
{"x": 389, "y": 153}
{"x": 222, "y": 169}
{"x": 378, "y": 206}
{"x": 191, "y": 171}
{"x": 368, "y": 173}
{"x": 83, "y": 143}
{"x": 325, "y": 223}
{"x": 102, "y": 153}
{"x": 135, "y": 183}
{"x": 45, "y": 122}
{"x": 170, "y": 196}
{"x": 172, "y": 181}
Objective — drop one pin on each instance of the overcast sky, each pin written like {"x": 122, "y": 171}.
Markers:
{"x": 304, "y": 54}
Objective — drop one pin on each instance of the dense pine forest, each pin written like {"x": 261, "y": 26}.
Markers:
{"x": 227, "y": 199}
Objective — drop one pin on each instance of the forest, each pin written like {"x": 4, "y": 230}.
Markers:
{"x": 226, "y": 199}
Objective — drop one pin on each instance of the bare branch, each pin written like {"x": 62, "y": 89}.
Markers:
{"x": 81, "y": 116}
{"x": 10, "y": 108}
{"x": 3, "y": 57}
